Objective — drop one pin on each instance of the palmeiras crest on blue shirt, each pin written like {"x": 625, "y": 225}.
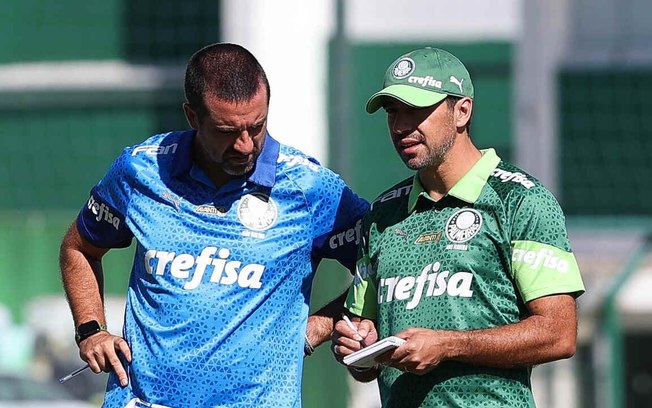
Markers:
{"x": 257, "y": 211}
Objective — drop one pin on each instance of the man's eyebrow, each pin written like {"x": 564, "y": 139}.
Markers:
{"x": 260, "y": 122}
{"x": 227, "y": 128}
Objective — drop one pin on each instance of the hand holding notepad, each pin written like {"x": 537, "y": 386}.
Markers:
{"x": 365, "y": 357}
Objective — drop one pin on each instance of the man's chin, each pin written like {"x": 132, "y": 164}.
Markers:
{"x": 238, "y": 170}
{"x": 414, "y": 163}
{"x": 410, "y": 161}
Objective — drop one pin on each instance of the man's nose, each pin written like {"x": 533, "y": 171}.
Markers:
{"x": 244, "y": 144}
{"x": 400, "y": 125}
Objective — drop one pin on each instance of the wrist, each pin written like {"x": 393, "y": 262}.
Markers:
{"x": 88, "y": 329}
{"x": 456, "y": 345}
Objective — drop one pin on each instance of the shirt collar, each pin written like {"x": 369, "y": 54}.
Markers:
{"x": 468, "y": 188}
{"x": 264, "y": 173}
{"x": 182, "y": 161}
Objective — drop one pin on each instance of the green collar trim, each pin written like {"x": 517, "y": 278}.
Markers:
{"x": 468, "y": 188}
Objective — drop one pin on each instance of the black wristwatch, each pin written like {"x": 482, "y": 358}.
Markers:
{"x": 86, "y": 330}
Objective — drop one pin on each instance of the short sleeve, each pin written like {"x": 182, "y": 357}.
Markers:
{"x": 336, "y": 213}
{"x": 102, "y": 220}
{"x": 542, "y": 261}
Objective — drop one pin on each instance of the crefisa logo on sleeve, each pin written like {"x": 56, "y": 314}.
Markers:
{"x": 102, "y": 212}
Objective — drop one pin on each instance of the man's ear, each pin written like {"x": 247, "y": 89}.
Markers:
{"x": 191, "y": 116}
{"x": 463, "y": 110}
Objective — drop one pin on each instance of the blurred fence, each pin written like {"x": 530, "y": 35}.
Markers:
{"x": 605, "y": 141}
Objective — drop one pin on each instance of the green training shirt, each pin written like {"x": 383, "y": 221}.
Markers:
{"x": 467, "y": 261}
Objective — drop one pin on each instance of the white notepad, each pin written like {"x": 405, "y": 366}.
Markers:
{"x": 364, "y": 358}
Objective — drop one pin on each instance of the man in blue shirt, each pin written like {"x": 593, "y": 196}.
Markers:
{"x": 230, "y": 226}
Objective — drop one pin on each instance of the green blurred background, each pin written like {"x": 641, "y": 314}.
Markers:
{"x": 57, "y": 141}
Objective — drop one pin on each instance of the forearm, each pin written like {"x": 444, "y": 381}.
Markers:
{"x": 322, "y": 322}
{"x": 537, "y": 339}
{"x": 526, "y": 343}
{"x": 548, "y": 334}
{"x": 82, "y": 277}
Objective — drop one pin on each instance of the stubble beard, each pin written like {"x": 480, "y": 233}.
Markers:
{"x": 435, "y": 158}
{"x": 235, "y": 170}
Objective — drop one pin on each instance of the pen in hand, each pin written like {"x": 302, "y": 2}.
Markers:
{"x": 352, "y": 326}
{"x": 73, "y": 374}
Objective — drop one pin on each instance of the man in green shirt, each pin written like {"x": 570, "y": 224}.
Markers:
{"x": 469, "y": 260}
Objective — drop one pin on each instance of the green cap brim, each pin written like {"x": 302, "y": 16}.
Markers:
{"x": 409, "y": 95}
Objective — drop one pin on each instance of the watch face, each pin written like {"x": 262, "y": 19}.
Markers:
{"x": 88, "y": 328}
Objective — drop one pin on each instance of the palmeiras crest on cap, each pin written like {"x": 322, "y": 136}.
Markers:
{"x": 403, "y": 68}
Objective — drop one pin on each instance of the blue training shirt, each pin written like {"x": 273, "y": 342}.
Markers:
{"x": 219, "y": 292}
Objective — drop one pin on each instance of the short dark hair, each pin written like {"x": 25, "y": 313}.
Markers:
{"x": 451, "y": 100}
{"x": 225, "y": 71}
